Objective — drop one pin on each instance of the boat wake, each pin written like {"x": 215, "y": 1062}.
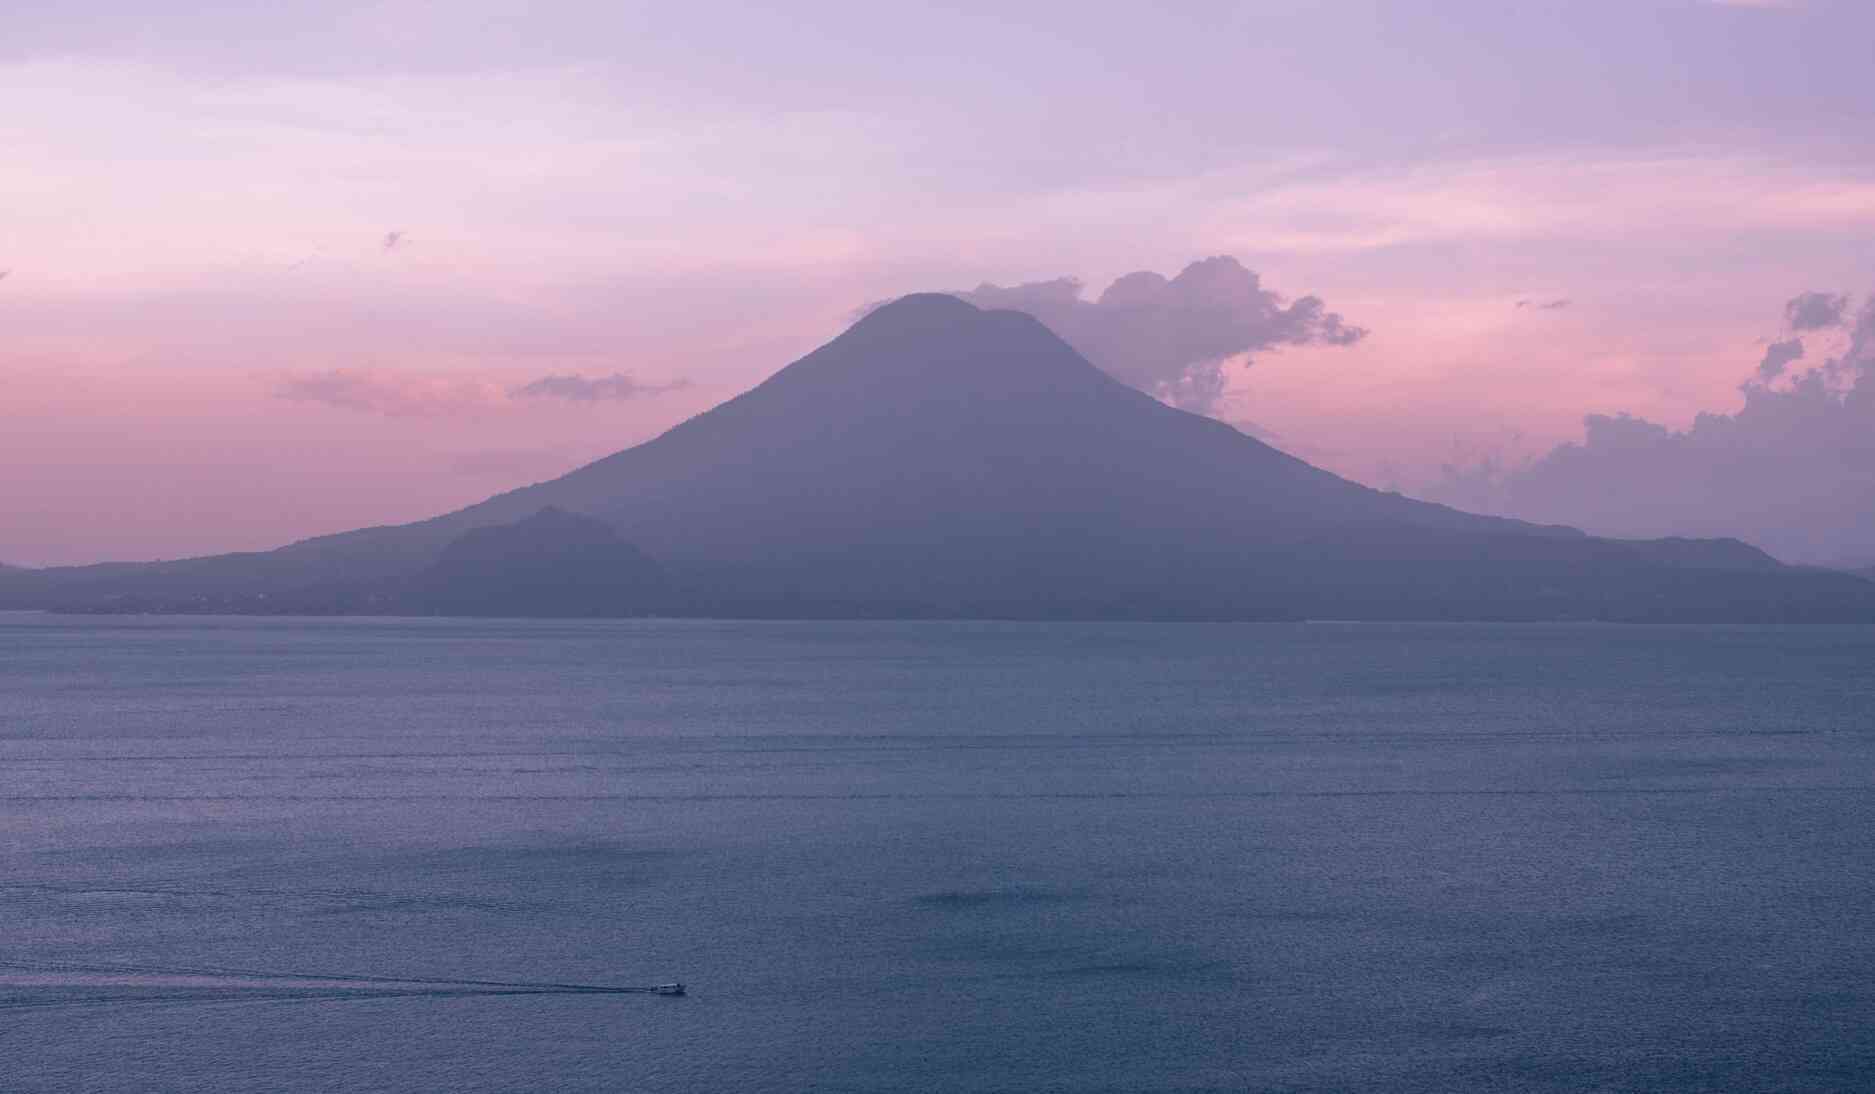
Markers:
{"x": 33, "y": 985}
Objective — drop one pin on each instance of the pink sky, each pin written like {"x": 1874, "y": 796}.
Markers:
{"x": 211, "y": 342}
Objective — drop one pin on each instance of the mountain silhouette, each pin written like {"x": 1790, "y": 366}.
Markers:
{"x": 554, "y": 563}
{"x": 940, "y": 460}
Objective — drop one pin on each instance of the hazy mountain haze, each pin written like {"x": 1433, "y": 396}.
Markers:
{"x": 937, "y": 459}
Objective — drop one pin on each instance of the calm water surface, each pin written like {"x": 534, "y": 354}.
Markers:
{"x": 935, "y": 856}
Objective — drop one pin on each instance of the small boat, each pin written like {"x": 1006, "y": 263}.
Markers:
{"x": 667, "y": 989}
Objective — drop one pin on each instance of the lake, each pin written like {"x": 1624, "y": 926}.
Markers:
{"x": 934, "y": 856}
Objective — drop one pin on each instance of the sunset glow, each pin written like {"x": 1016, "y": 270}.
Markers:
{"x": 334, "y": 249}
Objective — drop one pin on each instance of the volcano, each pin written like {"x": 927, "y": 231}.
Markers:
{"x": 938, "y": 460}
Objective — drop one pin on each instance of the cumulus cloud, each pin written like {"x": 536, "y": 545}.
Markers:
{"x": 1171, "y": 337}
{"x": 1792, "y": 471}
{"x": 1778, "y": 357}
{"x": 581, "y": 389}
{"x": 1815, "y": 311}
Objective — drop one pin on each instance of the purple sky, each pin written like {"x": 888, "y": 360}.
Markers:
{"x": 275, "y": 274}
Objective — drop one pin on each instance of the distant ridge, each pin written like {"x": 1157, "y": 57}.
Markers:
{"x": 937, "y": 460}
{"x": 553, "y": 563}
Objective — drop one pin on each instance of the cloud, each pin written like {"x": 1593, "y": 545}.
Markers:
{"x": 396, "y": 394}
{"x": 1815, "y": 311}
{"x": 1777, "y": 357}
{"x": 1545, "y": 305}
{"x": 1792, "y": 471}
{"x": 392, "y": 240}
{"x": 581, "y": 389}
{"x": 403, "y": 394}
{"x": 1171, "y": 337}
